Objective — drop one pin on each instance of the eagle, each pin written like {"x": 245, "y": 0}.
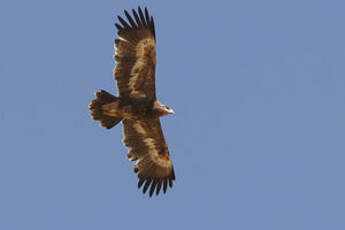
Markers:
{"x": 136, "y": 104}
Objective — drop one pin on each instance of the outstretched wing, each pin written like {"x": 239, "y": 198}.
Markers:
{"x": 135, "y": 54}
{"x": 148, "y": 147}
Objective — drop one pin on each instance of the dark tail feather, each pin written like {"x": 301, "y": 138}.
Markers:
{"x": 98, "y": 109}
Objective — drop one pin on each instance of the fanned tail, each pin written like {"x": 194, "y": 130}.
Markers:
{"x": 103, "y": 109}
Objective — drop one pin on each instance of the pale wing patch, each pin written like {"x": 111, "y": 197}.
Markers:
{"x": 118, "y": 51}
{"x": 143, "y": 45}
{"x": 154, "y": 155}
{"x": 140, "y": 129}
{"x": 123, "y": 39}
{"x": 144, "y": 50}
{"x": 135, "y": 81}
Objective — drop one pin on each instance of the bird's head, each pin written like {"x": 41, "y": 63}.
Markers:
{"x": 168, "y": 110}
{"x": 162, "y": 109}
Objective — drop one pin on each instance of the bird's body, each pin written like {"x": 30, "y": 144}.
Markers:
{"x": 136, "y": 105}
{"x": 136, "y": 108}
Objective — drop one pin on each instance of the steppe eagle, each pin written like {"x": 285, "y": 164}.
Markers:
{"x": 136, "y": 105}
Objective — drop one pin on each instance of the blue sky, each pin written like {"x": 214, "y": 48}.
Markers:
{"x": 257, "y": 141}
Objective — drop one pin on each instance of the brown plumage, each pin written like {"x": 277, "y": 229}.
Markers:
{"x": 136, "y": 104}
{"x": 136, "y": 56}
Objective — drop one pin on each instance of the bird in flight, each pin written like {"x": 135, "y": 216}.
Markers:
{"x": 136, "y": 104}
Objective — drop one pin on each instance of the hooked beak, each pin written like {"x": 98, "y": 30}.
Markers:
{"x": 171, "y": 111}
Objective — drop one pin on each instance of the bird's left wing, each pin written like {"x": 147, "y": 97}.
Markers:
{"x": 147, "y": 146}
{"x": 135, "y": 54}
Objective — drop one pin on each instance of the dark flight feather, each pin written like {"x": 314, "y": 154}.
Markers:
{"x": 130, "y": 20}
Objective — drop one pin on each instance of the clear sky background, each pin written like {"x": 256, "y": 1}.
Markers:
{"x": 258, "y": 138}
